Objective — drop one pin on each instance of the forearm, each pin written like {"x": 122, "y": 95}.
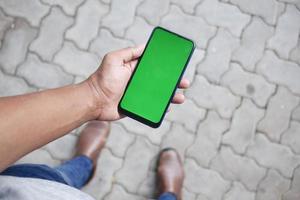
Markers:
{"x": 30, "y": 121}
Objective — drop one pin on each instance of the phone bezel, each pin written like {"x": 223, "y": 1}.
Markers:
{"x": 138, "y": 117}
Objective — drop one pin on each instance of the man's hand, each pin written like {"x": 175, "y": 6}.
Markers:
{"x": 109, "y": 81}
{"x": 44, "y": 116}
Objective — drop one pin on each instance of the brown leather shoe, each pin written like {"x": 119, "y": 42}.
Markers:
{"x": 92, "y": 139}
{"x": 170, "y": 172}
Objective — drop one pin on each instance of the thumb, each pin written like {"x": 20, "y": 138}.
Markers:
{"x": 131, "y": 53}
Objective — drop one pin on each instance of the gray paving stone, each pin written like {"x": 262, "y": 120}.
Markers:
{"x": 79, "y": 79}
{"x": 121, "y": 16}
{"x": 118, "y": 192}
{"x": 106, "y": 1}
{"x": 238, "y": 191}
{"x": 148, "y": 188}
{"x": 76, "y": 61}
{"x": 51, "y": 34}
{"x": 238, "y": 168}
{"x": 190, "y": 71}
{"x": 92, "y": 11}
{"x": 216, "y": 13}
{"x": 243, "y": 126}
{"x": 218, "y": 55}
{"x": 208, "y": 139}
{"x": 136, "y": 164}
{"x": 296, "y": 114}
{"x": 62, "y": 148}
{"x": 31, "y": 10}
{"x": 190, "y": 26}
{"x": 154, "y": 135}
{"x": 43, "y": 73}
{"x": 131, "y": 22}
{"x": 187, "y": 6}
{"x": 279, "y": 110}
{"x": 252, "y": 44}
{"x": 153, "y": 10}
{"x": 105, "y": 43}
{"x": 269, "y": 10}
{"x": 295, "y": 2}
{"x": 68, "y": 6}
{"x": 187, "y": 114}
{"x": 294, "y": 192}
{"x": 214, "y": 97}
{"x": 295, "y": 53}
{"x": 204, "y": 181}
{"x": 15, "y": 44}
{"x": 287, "y": 32}
{"x": 273, "y": 155}
{"x": 248, "y": 85}
{"x": 202, "y": 197}
{"x": 39, "y": 156}
{"x": 153, "y": 163}
{"x": 5, "y": 23}
{"x": 291, "y": 137}
{"x": 188, "y": 195}
{"x": 119, "y": 140}
{"x": 10, "y": 85}
{"x": 174, "y": 139}
{"x": 280, "y": 72}
{"x": 104, "y": 178}
{"x": 272, "y": 187}
{"x": 139, "y": 32}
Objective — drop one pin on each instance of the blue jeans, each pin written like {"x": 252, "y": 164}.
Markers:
{"x": 75, "y": 173}
{"x": 167, "y": 196}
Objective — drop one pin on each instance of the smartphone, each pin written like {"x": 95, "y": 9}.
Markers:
{"x": 156, "y": 77}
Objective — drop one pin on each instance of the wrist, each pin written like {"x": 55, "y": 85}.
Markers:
{"x": 97, "y": 99}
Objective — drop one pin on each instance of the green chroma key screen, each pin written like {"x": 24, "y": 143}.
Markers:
{"x": 157, "y": 74}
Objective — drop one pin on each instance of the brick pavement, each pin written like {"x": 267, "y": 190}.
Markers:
{"x": 238, "y": 132}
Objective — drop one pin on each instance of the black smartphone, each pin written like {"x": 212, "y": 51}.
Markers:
{"x": 156, "y": 77}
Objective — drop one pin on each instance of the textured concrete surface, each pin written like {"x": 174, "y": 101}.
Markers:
{"x": 238, "y": 132}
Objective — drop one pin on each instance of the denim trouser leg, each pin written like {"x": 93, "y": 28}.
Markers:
{"x": 167, "y": 196}
{"x": 75, "y": 172}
